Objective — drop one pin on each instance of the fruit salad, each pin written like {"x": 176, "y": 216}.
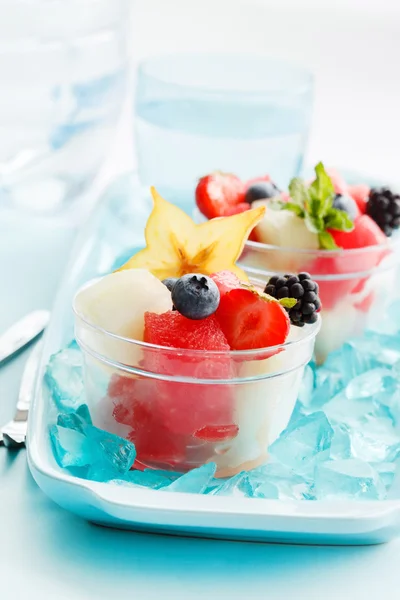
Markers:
{"x": 185, "y": 356}
{"x": 344, "y": 235}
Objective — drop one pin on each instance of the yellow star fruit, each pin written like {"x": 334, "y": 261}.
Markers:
{"x": 175, "y": 245}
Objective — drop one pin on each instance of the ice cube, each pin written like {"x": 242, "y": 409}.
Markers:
{"x": 342, "y": 410}
{"x": 375, "y": 440}
{"x": 70, "y": 447}
{"x": 274, "y": 480}
{"x": 195, "y": 481}
{"x": 374, "y": 383}
{"x": 239, "y": 486}
{"x": 150, "y": 479}
{"x": 119, "y": 453}
{"x": 387, "y": 472}
{"x": 351, "y": 479}
{"x": 64, "y": 379}
{"x": 341, "y": 442}
{"x": 304, "y": 442}
{"x": 76, "y": 420}
{"x": 76, "y": 444}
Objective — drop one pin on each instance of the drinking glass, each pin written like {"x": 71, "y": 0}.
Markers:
{"x": 62, "y": 69}
{"x": 197, "y": 113}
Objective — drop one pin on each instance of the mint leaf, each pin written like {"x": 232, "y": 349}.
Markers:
{"x": 322, "y": 188}
{"x": 287, "y": 302}
{"x": 314, "y": 223}
{"x": 314, "y": 203}
{"x": 339, "y": 220}
{"x": 326, "y": 241}
{"x": 294, "y": 208}
{"x": 298, "y": 191}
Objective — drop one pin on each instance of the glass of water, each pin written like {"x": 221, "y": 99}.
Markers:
{"x": 62, "y": 83}
{"x": 245, "y": 114}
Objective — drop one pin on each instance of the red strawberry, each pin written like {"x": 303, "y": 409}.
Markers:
{"x": 226, "y": 281}
{"x": 217, "y": 193}
{"x": 237, "y": 208}
{"x": 250, "y": 320}
{"x": 360, "y": 194}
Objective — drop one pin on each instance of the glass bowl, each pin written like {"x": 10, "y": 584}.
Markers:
{"x": 355, "y": 285}
{"x": 183, "y": 408}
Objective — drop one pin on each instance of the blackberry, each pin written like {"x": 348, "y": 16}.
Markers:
{"x": 383, "y": 206}
{"x": 303, "y": 289}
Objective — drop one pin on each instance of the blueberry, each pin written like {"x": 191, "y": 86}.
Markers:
{"x": 195, "y": 296}
{"x": 261, "y": 190}
{"x": 347, "y": 204}
{"x": 170, "y": 282}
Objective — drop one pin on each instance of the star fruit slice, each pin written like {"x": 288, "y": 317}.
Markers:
{"x": 175, "y": 245}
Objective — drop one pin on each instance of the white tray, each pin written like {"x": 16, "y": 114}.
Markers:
{"x": 117, "y": 225}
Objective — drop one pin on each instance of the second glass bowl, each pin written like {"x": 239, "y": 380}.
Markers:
{"x": 355, "y": 285}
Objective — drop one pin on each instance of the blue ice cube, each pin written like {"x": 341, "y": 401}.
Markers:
{"x": 357, "y": 357}
{"x": 193, "y": 482}
{"x": 113, "y": 450}
{"x": 70, "y": 447}
{"x": 76, "y": 443}
{"x": 150, "y": 479}
{"x": 351, "y": 479}
{"x": 64, "y": 378}
{"x": 375, "y": 440}
{"x": 76, "y": 420}
{"x": 342, "y": 410}
{"x": 304, "y": 442}
{"x": 374, "y": 383}
{"x": 238, "y": 485}
{"x": 387, "y": 472}
{"x": 274, "y": 480}
{"x": 341, "y": 442}
{"x": 267, "y": 490}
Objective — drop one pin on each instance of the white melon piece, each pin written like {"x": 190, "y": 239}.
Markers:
{"x": 116, "y": 303}
{"x": 284, "y": 229}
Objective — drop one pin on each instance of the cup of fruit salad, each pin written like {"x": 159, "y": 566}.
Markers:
{"x": 344, "y": 236}
{"x": 183, "y": 355}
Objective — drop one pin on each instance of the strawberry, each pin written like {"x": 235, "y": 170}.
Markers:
{"x": 252, "y": 320}
{"x": 237, "y": 208}
{"x": 217, "y": 193}
{"x": 226, "y": 281}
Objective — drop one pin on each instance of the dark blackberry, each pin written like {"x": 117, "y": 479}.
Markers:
{"x": 303, "y": 289}
{"x": 383, "y": 206}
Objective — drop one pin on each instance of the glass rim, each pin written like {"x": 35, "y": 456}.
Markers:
{"x": 391, "y": 244}
{"x": 144, "y": 69}
{"x": 310, "y": 332}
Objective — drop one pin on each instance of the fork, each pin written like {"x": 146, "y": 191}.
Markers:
{"x": 13, "y": 434}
